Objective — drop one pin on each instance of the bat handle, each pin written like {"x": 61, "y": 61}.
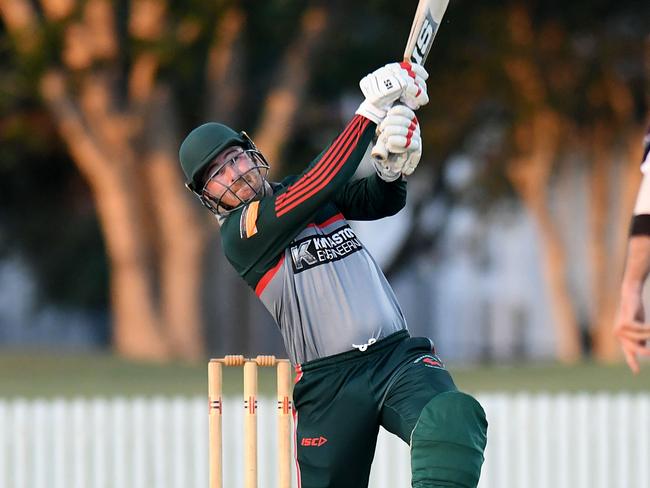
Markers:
{"x": 379, "y": 151}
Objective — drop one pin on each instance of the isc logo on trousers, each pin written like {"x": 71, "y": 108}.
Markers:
{"x": 313, "y": 441}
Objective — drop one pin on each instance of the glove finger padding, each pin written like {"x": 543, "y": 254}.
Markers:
{"x": 418, "y": 69}
{"x": 399, "y": 133}
{"x": 401, "y": 111}
{"x": 412, "y": 70}
{"x": 400, "y": 130}
{"x": 415, "y": 95}
{"x": 415, "y": 92}
{"x": 411, "y": 162}
{"x": 398, "y": 139}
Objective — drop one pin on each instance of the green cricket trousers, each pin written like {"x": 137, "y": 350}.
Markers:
{"x": 398, "y": 383}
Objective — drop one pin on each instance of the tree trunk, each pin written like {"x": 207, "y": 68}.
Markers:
{"x": 568, "y": 348}
{"x": 181, "y": 237}
{"x": 605, "y": 345}
{"x": 538, "y": 141}
{"x": 287, "y": 95}
{"x": 225, "y": 69}
{"x": 601, "y": 155}
{"x": 135, "y": 331}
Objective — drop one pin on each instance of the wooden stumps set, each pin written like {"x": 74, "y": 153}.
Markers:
{"x": 215, "y": 381}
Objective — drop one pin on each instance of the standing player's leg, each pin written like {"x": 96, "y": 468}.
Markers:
{"x": 445, "y": 428}
{"x": 336, "y": 428}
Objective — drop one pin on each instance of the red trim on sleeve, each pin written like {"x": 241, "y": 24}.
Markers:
{"x": 321, "y": 174}
{"x": 308, "y": 177}
{"x": 330, "y": 221}
{"x": 268, "y": 276}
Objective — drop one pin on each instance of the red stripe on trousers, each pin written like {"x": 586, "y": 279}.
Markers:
{"x": 295, "y": 443}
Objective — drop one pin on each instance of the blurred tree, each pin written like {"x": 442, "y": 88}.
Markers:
{"x": 104, "y": 71}
{"x": 527, "y": 87}
{"x": 570, "y": 101}
{"x": 564, "y": 82}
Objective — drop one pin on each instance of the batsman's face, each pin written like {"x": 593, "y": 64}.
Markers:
{"x": 234, "y": 177}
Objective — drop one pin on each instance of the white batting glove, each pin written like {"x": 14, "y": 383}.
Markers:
{"x": 390, "y": 83}
{"x": 384, "y": 169}
{"x": 399, "y": 134}
{"x": 415, "y": 95}
{"x": 397, "y": 165}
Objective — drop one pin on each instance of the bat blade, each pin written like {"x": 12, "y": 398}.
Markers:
{"x": 427, "y": 20}
{"x": 426, "y": 23}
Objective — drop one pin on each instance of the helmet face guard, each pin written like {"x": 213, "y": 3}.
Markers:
{"x": 215, "y": 203}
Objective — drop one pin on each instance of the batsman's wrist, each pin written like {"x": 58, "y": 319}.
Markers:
{"x": 371, "y": 112}
{"x": 631, "y": 288}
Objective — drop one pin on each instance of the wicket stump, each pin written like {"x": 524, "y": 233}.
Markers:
{"x": 215, "y": 379}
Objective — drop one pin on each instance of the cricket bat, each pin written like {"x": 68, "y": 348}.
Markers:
{"x": 427, "y": 20}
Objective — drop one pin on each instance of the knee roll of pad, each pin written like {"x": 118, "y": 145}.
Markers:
{"x": 448, "y": 442}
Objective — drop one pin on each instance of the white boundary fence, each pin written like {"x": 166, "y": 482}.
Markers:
{"x": 535, "y": 441}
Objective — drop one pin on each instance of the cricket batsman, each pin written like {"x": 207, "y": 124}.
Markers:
{"x": 357, "y": 366}
{"x": 630, "y": 328}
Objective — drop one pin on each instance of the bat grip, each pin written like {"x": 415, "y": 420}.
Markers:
{"x": 379, "y": 151}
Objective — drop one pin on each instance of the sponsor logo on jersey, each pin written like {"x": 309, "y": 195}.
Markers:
{"x": 313, "y": 441}
{"x": 313, "y": 251}
{"x": 430, "y": 361}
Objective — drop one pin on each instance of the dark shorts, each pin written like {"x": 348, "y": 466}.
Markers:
{"x": 342, "y": 400}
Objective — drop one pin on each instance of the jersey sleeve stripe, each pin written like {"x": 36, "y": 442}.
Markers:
{"x": 324, "y": 178}
{"x": 313, "y": 190}
{"x": 268, "y": 276}
{"x": 328, "y": 158}
{"x": 333, "y": 166}
{"x": 322, "y": 166}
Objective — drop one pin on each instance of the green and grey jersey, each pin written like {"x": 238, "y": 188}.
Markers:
{"x": 296, "y": 250}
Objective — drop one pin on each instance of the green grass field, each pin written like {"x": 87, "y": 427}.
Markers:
{"x": 46, "y": 375}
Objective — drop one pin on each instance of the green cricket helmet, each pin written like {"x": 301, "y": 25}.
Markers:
{"x": 199, "y": 150}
